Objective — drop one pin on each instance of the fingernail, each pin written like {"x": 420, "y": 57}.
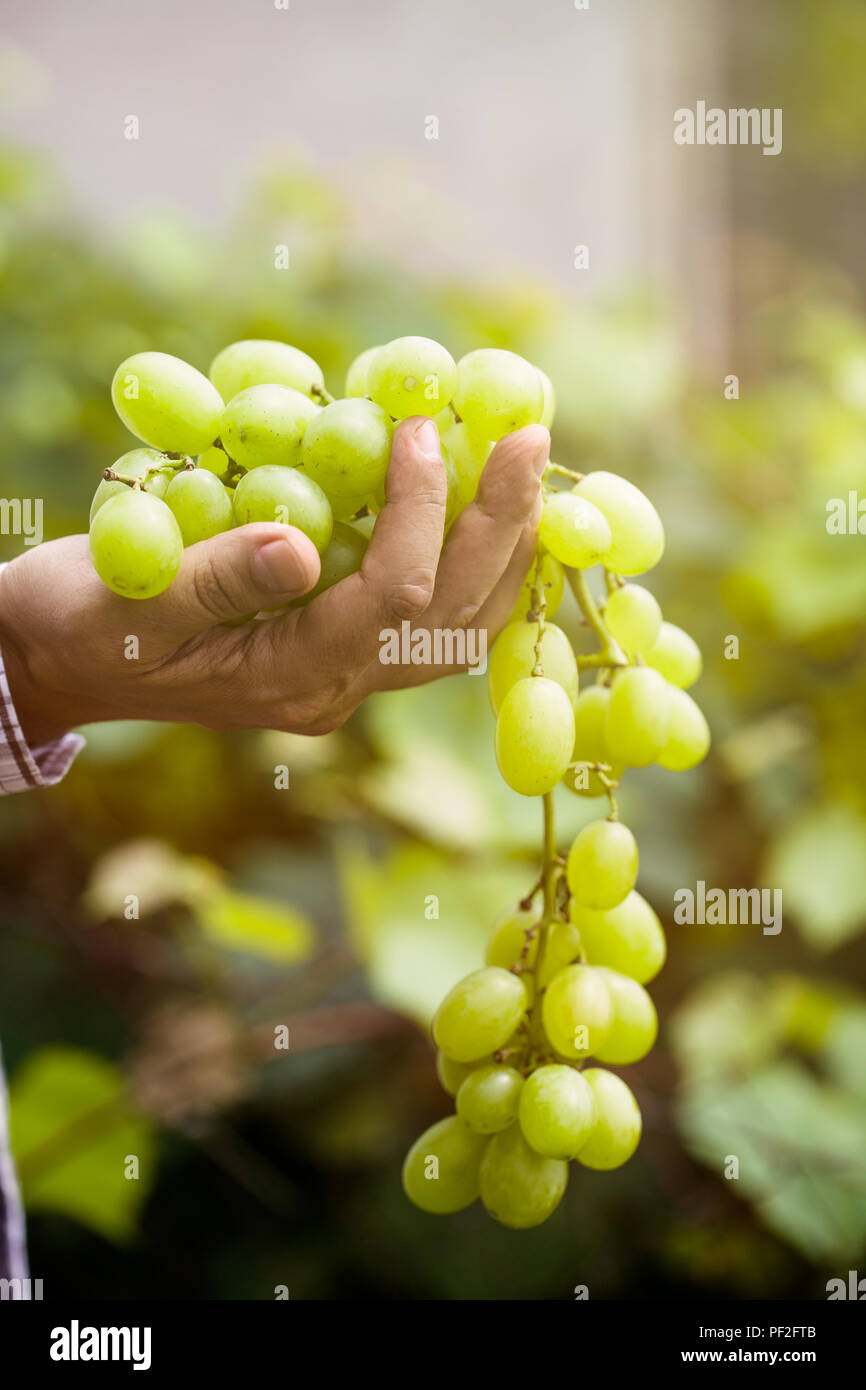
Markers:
{"x": 427, "y": 439}
{"x": 277, "y": 567}
{"x": 540, "y": 460}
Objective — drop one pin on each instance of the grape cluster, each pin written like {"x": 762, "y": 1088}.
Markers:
{"x": 261, "y": 439}
{"x": 564, "y": 978}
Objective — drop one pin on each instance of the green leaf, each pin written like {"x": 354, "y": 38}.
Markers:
{"x": 73, "y": 1133}
{"x": 256, "y": 926}
{"x": 800, "y": 1149}
{"x": 413, "y": 958}
{"x": 817, "y": 861}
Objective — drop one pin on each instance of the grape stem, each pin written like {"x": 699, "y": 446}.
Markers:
{"x": 565, "y": 472}
{"x": 322, "y": 394}
{"x": 610, "y": 654}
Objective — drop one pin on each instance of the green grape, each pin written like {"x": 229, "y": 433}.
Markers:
{"x": 590, "y": 713}
{"x": 287, "y": 496}
{"x": 577, "y": 1011}
{"x": 488, "y": 1099}
{"x": 560, "y": 949}
{"x": 519, "y": 1187}
{"x": 574, "y": 530}
{"x": 514, "y": 657}
{"x": 264, "y": 426}
{"x": 638, "y": 716}
{"x": 356, "y": 376}
{"x": 506, "y": 945}
{"x": 364, "y": 524}
{"x": 469, "y": 455}
{"x": 557, "y": 1111}
{"x": 602, "y": 864}
{"x": 136, "y": 464}
{"x": 479, "y": 1014}
{"x": 441, "y": 1170}
{"x": 202, "y": 507}
{"x": 628, "y": 938}
{"x": 214, "y": 460}
{"x": 616, "y": 1132}
{"x": 549, "y": 581}
{"x": 676, "y": 656}
{"x": 135, "y": 544}
{"x": 264, "y": 362}
{"x": 497, "y": 392}
{"x": 635, "y": 525}
{"x": 452, "y": 1074}
{"x": 534, "y": 735}
{"x": 452, "y": 487}
{"x": 343, "y": 555}
{"x": 167, "y": 403}
{"x": 633, "y": 617}
{"x": 635, "y": 1022}
{"x": 412, "y": 376}
{"x": 688, "y": 739}
{"x": 548, "y": 399}
{"x": 347, "y": 448}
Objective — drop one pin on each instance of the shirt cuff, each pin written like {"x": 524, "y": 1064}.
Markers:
{"x": 23, "y": 767}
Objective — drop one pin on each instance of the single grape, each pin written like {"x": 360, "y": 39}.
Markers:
{"x": 412, "y": 376}
{"x": 488, "y": 1099}
{"x": 557, "y": 1111}
{"x": 497, "y": 392}
{"x": 577, "y": 1011}
{"x": 602, "y": 864}
{"x": 264, "y": 426}
{"x": 347, "y": 448}
{"x": 638, "y": 717}
{"x": 364, "y": 524}
{"x": 343, "y": 555}
{"x": 452, "y": 1074}
{"x": 287, "y": 496}
{"x": 479, "y": 1014}
{"x": 616, "y": 1132}
{"x": 136, "y": 464}
{"x": 633, "y": 617}
{"x": 469, "y": 455}
{"x": 688, "y": 739}
{"x": 135, "y": 544}
{"x": 200, "y": 503}
{"x": 534, "y": 735}
{"x": 167, "y": 403}
{"x": 638, "y": 536}
{"x": 548, "y": 580}
{"x": 635, "y": 1022}
{"x": 676, "y": 656}
{"x": 441, "y": 1170}
{"x": 574, "y": 530}
{"x": 590, "y": 713}
{"x": 628, "y": 938}
{"x": 519, "y": 1188}
{"x": 514, "y": 656}
{"x": 560, "y": 949}
{"x": 214, "y": 460}
{"x": 506, "y": 945}
{"x": 356, "y": 376}
{"x": 264, "y": 362}
{"x": 548, "y": 399}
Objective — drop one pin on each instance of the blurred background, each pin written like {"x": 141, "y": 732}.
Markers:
{"x": 305, "y": 909}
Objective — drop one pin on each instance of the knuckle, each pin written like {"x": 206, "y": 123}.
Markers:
{"x": 409, "y": 598}
{"x": 210, "y": 588}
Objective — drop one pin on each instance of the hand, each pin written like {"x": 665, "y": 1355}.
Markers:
{"x": 66, "y": 638}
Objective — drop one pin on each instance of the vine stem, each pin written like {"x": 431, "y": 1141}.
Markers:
{"x": 549, "y": 876}
{"x": 610, "y": 654}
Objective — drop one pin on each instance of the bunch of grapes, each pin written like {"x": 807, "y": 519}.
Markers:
{"x": 261, "y": 439}
{"x": 564, "y": 979}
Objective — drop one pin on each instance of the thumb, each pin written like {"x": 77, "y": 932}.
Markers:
{"x": 240, "y": 572}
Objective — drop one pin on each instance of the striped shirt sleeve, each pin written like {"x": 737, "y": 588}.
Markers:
{"x": 23, "y": 767}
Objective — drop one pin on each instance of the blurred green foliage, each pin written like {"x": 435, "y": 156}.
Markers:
{"x": 342, "y": 908}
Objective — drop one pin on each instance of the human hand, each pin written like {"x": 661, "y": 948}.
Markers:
{"x": 66, "y": 638}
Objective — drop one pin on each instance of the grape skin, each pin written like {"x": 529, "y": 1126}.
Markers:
{"x": 356, "y": 376}
{"x": 264, "y": 426}
{"x": 617, "y": 1129}
{"x": 452, "y": 1074}
{"x": 347, "y": 448}
{"x": 534, "y": 735}
{"x": 676, "y": 656}
{"x": 590, "y": 713}
{"x": 519, "y": 1187}
{"x": 635, "y": 1022}
{"x": 577, "y": 1011}
{"x": 489, "y": 1098}
{"x": 287, "y": 496}
{"x": 602, "y": 864}
{"x": 264, "y": 362}
{"x": 135, "y": 464}
{"x": 343, "y": 556}
{"x": 506, "y": 944}
{"x": 628, "y": 938}
{"x": 200, "y": 504}
{"x": 638, "y": 538}
{"x": 514, "y": 657}
{"x": 167, "y": 403}
{"x": 557, "y": 1111}
{"x": 638, "y": 716}
{"x": 688, "y": 738}
{"x": 479, "y": 1014}
{"x": 457, "y": 1152}
{"x": 633, "y": 617}
{"x": 412, "y": 376}
{"x": 574, "y": 530}
{"x": 135, "y": 545}
{"x": 497, "y": 392}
